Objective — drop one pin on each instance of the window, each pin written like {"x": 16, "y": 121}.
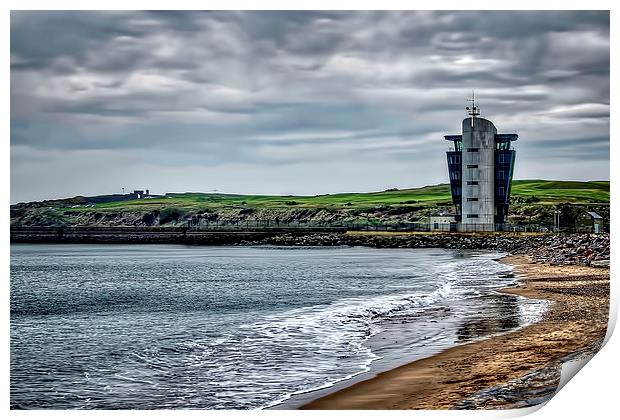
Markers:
{"x": 472, "y": 166}
{"x": 472, "y": 149}
{"x": 472, "y": 199}
{"x": 501, "y": 175}
{"x": 472, "y": 182}
{"x": 472, "y": 216}
{"x": 454, "y": 159}
{"x": 500, "y": 191}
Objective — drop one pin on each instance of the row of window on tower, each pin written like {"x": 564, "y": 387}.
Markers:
{"x": 501, "y": 191}
{"x": 456, "y": 175}
{"x": 501, "y": 157}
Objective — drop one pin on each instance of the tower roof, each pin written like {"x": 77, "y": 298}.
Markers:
{"x": 503, "y": 138}
{"x": 499, "y": 138}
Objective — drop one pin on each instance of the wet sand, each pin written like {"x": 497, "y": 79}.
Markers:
{"x": 576, "y": 322}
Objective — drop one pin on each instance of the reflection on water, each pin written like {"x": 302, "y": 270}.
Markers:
{"x": 501, "y": 313}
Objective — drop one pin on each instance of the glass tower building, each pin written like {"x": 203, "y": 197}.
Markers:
{"x": 480, "y": 166}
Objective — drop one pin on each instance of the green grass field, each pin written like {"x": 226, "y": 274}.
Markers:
{"x": 553, "y": 192}
{"x": 546, "y": 192}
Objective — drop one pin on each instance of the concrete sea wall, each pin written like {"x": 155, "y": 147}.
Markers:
{"x": 581, "y": 249}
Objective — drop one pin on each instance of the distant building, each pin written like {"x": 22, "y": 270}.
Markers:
{"x": 480, "y": 166}
{"x": 137, "y": 194}
{"x": 442, "y": 223}
{"x": 590, "y": 221}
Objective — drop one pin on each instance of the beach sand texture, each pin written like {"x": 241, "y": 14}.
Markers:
{"x": 576, "y": 321}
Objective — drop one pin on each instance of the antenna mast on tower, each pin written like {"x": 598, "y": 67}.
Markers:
{"x": 474, "y": 110}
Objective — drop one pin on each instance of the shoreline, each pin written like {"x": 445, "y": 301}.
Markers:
{"x": 490, "y": 372}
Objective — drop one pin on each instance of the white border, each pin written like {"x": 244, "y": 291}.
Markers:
{"x": 591, "y": 395}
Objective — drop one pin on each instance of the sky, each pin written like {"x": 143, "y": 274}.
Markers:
{"x": 297, "y": 102}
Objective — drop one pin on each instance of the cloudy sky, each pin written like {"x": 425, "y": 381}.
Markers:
{"x": 297, "y": 102}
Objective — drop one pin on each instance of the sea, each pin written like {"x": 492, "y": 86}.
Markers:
{"x": 232, "y": 327}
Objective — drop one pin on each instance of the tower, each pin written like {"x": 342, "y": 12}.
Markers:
{"x": 480, "y": 167}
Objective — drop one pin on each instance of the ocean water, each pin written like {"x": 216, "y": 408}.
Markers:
{"x": 172, "y": 326}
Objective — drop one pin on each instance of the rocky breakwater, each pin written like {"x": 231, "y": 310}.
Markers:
{"x": 576, "y": 249}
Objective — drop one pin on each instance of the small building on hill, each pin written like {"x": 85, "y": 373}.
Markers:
{"x": 138, "y": 194}
{"x": 590, "y": 221}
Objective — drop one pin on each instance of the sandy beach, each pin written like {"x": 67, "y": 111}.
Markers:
{"x": 525, "y": 362}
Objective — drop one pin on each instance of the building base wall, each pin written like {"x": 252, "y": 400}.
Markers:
{"x": 476, "y": 227}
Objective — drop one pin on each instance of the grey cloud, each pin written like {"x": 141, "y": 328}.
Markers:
{"x": 212, "y": 87}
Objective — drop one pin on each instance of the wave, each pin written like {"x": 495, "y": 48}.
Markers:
{"x": 298, "y": 350}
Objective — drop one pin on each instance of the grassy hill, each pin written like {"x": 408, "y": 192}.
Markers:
{"x": 549, "y": 192}
{"x": 553, "y": 192}
{"x": 530, "y": 198}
